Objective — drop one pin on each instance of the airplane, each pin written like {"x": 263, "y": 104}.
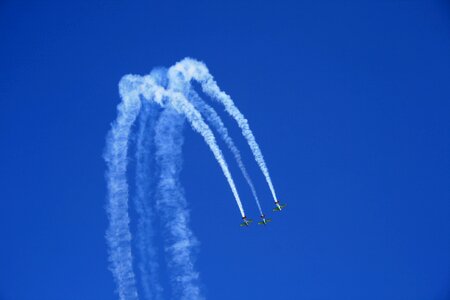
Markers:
{"x": 279, "y": 206}
{"x": 246, "y": 222}
{"x": 264, "y": 221}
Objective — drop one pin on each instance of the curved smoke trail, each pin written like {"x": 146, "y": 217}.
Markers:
{"x": 172, "y": 206}
{"x": 148, "y": 265}
{"x": 193, "y": 69}
{"x": 210, "y": 88}
{"x": 151, "y": 91}
{"x": 118, "y": 233}
{"x": 171, "y": 90}
{"x": 182, "y": 105}
{"x": 214, "y": 119}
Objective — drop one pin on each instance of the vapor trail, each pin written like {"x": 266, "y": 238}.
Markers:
{"x": 172, "y": 206}
{"x": 148, "y": 87}
{"x": 182, "y": 105}
{"x": 170, "y": 90}
{"x": 118, "y": 234}
{"x": 193, "y": 69}
{"x": 148, "y": 265}
{"x": 213, "y": 118}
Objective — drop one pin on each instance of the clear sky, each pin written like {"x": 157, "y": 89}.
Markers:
{"x": 349, "y": 101}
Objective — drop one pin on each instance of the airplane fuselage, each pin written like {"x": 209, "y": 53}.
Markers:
{"x": 246, "y": 222}
{"x": 264, "y": 221}
{"x": 278, "y": 206}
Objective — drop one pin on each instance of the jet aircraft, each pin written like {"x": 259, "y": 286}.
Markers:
{"x": 246, "y": 222}
{"x": 279, "y": 206}
{"x": 264, "y": 221}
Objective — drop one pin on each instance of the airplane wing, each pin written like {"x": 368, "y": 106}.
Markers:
{"x": 279, "y": 208}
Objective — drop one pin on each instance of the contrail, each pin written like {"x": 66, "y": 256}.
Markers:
{"x": 172, "y": 206}
{"x": 148, "y": 87}
{"x": 193, "y": 69}
{"x": 170, "y": 193}
{"x": 182, "y": 105}
{"x": 118, "y": 234}
{"x": 148, "y": 265}
{"x": 214, "y": 119}
{"x": 172, "y": 90}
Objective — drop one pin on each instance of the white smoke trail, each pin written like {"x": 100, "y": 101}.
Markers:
{"x": 172, "y": 206}
{"x": 148, "y": 87}
{"x": 170, "y": 203}
{"x": 214, "y": 119}
{"x": 192, "y": 69}
{"x": 118, "y": 234}
{"x": 182, "y": 105}
{"x": 148, "y": 265}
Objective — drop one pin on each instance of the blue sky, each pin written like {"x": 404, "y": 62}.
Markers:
{"x": 349, "y": 102}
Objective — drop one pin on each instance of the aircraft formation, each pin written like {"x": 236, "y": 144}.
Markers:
{"x": 264, "y": 221}
{"x": 154, "y": 108}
